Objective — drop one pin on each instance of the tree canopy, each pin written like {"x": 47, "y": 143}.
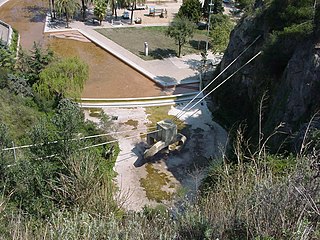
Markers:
{"x": 220, "y": 29}
{"x": 191, "y": 9}
{"x": 100, "y": 9}
{"x": 244, "y": 4}
{"x": 64, "y": 78}
{"x": 68, "y": 7}
{"x": 180, "y": 29}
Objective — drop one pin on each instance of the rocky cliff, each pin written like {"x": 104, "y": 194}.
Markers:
{"x": 287, "y": 80}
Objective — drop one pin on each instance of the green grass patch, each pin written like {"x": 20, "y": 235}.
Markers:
{"x": 153, "y": 184}
{"x": 156, "y": 114}
{"x": 160, "y": 45}
{"x": 95, "y": 112}
{"x": 133, "y": 123}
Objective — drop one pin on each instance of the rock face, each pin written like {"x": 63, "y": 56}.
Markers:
{"x": 291, "y": 97}
{"x": 301, "y": 80}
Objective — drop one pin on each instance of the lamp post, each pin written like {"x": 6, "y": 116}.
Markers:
{"x": 208, "y": 28}
{"x": 205, "y": 54}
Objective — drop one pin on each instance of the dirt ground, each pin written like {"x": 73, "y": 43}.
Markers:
{"x": 108, "y": 76}
{"x": 169, "y": 175}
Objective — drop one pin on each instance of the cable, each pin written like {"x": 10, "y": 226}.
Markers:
{"x": 101, "y": 144}
{"x": 177, "y": 115}
{"x": 73, "y": 139}
{"x": 221, "y": 83}
{"x": 113, "y": 141}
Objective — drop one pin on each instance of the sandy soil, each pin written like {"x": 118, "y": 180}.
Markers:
{"x": 108, "y": 76}
{"x": 183, "y": 170}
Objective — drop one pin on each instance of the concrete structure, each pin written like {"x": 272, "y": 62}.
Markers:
{"x": 5, "y": 33}
{"x": 166, "y": 136}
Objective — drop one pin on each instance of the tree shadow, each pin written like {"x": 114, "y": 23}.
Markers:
{"x": 198, "y": 44}
{"x": 193, "y": 64}
{"x": 166, "y": 79}
{"x": 38, "y": 13}
{"x": 56, "y": 24}
{"x": 160, "y": 53}
{"x": 92, "y": 22}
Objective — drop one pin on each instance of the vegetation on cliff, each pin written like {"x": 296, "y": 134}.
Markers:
{"x": 50, "y": 172}
{"x": 288, "y": 35}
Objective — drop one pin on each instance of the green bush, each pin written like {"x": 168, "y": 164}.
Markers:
{"x": 275, "y": 55}
{"x": 220, "y": 29}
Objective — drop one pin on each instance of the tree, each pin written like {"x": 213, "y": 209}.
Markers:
{"x": 31, "y": 64}
{"x": 84, "y": 7}
{"x": 191, "y": 9}
{"x": 100, "y": 9}
{"x": 52, "y": 9}
{"x": 5, "y": 141}
{"x": 64, "y": 78}
{"x": 7, "y": 59}
{"x": 245, "y": 4}
{"x": 221, "y": 26}
{"x": 133, "y": 4}
{"x": 69, "y": 121}
{"x": 68, "y": 7}
{"x": 180, "y": 30}
{"x": 215, "y": 8}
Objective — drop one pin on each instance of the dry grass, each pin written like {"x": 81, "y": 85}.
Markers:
{"x": 248, "y": 200}
{"x": 133, "y": 123}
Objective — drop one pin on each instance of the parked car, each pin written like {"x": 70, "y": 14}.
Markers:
{"x": 126, "y": 15}
{"x": 202, "y": 25}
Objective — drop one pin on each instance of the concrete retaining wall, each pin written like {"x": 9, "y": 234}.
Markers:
{"x": 9, "y": 33}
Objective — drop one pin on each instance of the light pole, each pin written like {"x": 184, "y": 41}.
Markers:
{"x": 208, "y": 28}
{"x": 205, "y": 54}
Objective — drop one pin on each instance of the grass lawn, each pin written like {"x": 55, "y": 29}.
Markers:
{"x": 160, "y": 46}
